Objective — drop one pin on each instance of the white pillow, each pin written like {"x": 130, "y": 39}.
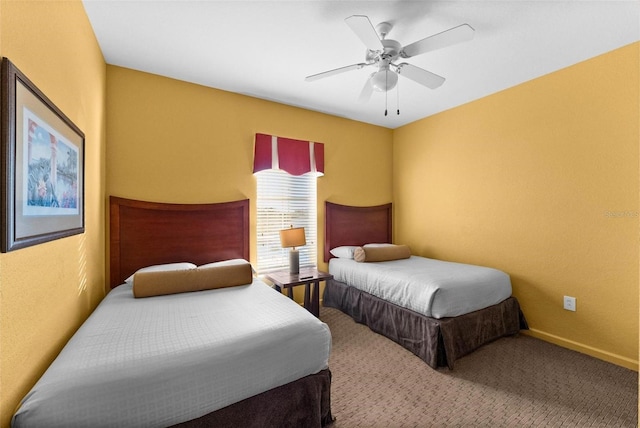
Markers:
{"x": 378, "y": 245}
{"x": 161, "y": 268}
{"x": 227, "y": 263}
{"x": 344, "y": 252}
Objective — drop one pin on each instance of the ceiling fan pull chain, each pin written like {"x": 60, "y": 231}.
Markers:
{"x": 386, "y": 92}
{"x": 398, "y": 98}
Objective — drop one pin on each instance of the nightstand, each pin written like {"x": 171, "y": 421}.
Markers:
{"x": 308, "y": 277}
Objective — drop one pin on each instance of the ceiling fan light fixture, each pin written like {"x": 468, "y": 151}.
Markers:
{"x": 384, "y": 80}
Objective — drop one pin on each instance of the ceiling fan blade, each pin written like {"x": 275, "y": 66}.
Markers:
{"x": 367, "y": 91}
{"x": 335, "y": 71}
{"x": 361, "y": 25}
{"x": 419, "y": 75}
{"x": 449, "y": 37}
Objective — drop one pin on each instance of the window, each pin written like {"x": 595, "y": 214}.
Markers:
{"x": 285, "y": 200}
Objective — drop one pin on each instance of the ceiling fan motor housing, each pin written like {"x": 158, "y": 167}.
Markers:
{"x": 390, "y": 53}
{"x": 383, "y": 29}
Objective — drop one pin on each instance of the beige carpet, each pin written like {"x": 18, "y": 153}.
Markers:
{"x": 513, "y": 382}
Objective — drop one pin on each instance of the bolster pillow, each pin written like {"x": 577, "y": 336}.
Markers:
{"x": 381, "y": 254}
{"x": 146, "y": 284}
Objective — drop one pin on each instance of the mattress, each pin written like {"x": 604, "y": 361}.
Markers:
{"x": 167, "y": 359}
{"x": 430, "y": 287}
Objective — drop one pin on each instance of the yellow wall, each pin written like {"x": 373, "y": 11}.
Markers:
{"x": 540, "y": 180}
{"x": 171, "y": 141}
{"x": 46, "y": 291}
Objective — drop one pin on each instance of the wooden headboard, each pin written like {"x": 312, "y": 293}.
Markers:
{"x": 149, "y": 233}
{"x": 350, "y": 225}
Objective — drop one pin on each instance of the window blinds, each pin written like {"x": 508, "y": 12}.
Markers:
{"x": 283, "y": 201}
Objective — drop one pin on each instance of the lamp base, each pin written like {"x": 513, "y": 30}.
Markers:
{"x": 294, "y": 261}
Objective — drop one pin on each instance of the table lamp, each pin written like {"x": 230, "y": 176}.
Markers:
{"x": 292, "y": 238}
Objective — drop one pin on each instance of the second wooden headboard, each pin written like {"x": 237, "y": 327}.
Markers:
{"x": 352, "y": 225}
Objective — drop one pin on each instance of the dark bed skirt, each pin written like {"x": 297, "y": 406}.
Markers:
{"x": 438, "y": 342}
{"x": 305, "y": 402}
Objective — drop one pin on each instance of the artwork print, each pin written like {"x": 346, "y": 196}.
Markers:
{"x": 51, "y": 170}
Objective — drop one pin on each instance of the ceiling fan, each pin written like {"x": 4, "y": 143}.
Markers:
{"x": 383, "y": 54}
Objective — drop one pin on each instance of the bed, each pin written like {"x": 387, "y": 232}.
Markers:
{"x": 439, "y": 333}
{"x": 240, "y": 355}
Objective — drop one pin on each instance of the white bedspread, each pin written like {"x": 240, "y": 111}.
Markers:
{"x": 162, "y": 360}
{"x": 430, "y": 287}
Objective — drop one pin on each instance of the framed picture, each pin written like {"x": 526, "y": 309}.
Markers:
{"x": 42, "y": 191}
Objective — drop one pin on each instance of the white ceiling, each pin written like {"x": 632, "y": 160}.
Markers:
{"x": 266, "y": 48}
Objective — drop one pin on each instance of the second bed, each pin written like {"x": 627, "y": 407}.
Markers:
{"x": 438, "y": 310}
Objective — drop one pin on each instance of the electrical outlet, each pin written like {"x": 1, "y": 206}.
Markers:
{"x": 570, "y": 303}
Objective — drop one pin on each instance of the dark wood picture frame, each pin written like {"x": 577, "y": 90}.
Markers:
{"x": 42, "y": 152}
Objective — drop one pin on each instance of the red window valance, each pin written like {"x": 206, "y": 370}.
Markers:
{"x": 297, "y": 157}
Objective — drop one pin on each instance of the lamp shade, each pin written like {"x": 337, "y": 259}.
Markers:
{"x": 293, "y": 237}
